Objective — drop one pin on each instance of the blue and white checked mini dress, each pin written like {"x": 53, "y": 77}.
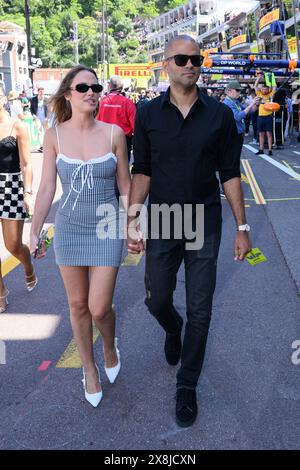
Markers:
{"x": 88, "y": 227}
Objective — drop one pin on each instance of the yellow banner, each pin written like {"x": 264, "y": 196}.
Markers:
{"x": 155, "y": 65}
{"x": 292, "y": 44}
{"x": 140, "y": 74}
{"x": 238, "y": 40}
{"x": 269, "y": 18}
{"x": 212, "y": 49}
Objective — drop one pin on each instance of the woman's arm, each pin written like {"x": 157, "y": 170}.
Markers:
{"x": 47, "y": 186}
{"x": 23, "y": 140}
{"x": 123, "y": 175}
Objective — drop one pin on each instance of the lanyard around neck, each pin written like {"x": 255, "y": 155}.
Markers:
{"x": 234, "y": 103}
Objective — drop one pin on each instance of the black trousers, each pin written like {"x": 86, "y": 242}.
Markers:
{"x": 163, "y": 259}
{"x": 240, "y": 142}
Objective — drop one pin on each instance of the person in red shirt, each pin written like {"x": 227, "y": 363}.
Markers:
{"x": 115, "y": 108}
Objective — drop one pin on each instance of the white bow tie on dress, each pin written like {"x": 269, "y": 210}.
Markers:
{"x": 85, "y": 170}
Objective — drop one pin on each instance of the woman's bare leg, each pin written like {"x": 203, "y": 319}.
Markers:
{"x": 102, "y": 285}
{"x": 12, "y": 234}
{"x": 76, "y": 281}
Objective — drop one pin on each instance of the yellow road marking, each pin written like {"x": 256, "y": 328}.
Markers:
{"x": 258, "y": 196}
{"x": 70, "y": 358}
{"x": 285, "y": 199}
{"x": 132, "y": 260}
{"x": 8, "y": 265}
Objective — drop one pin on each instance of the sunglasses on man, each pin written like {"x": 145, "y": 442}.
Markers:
{"x": 84, "y": 87}
{"x": 182, "y": 59}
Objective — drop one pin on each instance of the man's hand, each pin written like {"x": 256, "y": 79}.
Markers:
{"x": 242, "y": 246}
{"x": 135, "y": 242}
{"x": 256, "y": 101}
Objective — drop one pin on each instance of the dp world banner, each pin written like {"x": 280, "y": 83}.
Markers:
{"x": 137, "y": 74}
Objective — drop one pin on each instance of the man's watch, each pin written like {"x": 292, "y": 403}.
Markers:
{"x": 28, "y": 191}
{"x": 243, "y": 228}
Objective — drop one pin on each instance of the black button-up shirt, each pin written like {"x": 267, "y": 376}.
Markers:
{"x": 181, "y": 154}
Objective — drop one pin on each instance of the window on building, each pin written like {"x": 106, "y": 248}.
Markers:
{"x": 25, "y": 70}
{"x": 24, "y": 57}
{"x": 20, "y": 70}
{"x": 19, "y": 56}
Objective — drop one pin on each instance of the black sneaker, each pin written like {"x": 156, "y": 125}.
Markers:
{"x": 173, "y": 345}
{"x": 186, "y": 407}
{"x": 270, "y": 153}
{"x": 260, "y": 152}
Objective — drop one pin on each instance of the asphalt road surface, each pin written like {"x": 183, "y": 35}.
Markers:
{"x": 249, "y": 390}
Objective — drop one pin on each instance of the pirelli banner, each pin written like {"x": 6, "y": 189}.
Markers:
{"x": 269, "y": 18}
{"x": 242, "y": 39}
{"x": 137, "y": 74}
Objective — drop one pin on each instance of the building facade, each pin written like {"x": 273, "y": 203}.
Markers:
{"x": 185, "y": 19}
{"x": 13, "y": 57}
{"x": 239, "y": 26}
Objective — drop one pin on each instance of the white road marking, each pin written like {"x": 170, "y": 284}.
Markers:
{"x": 249, "y": 147}
{"x": 275, "y": 163}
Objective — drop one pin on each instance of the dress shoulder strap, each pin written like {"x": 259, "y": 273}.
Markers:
{"x": 57, "y": 136}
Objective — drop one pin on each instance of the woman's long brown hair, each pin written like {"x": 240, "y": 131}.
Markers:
{"x": 60, "y": 106}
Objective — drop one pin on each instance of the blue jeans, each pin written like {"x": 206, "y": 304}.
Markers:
{"x": 163, "y": 259}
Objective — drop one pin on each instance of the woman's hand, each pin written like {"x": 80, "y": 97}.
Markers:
{"x": 33, "y": 244}
{"x": 135, "y": 242}
{"x": 28, "y": 204}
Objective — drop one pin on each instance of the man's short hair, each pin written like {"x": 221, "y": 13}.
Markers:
{"x": 116, "y": 82}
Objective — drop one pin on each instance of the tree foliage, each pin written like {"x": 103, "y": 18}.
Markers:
{"x": 52, "y": 24}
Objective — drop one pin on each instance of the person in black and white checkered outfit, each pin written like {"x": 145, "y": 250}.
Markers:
{"x": 15, "y": 193}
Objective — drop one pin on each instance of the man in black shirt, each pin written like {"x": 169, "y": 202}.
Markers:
{"x": 181, "y": 139}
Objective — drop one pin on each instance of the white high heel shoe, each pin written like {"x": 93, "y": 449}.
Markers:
{"x": 112, "y": 372}
{"x": 93, "y": 398}
{"x": 30, "y": 285}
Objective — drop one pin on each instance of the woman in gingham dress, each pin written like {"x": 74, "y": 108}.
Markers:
{"x": 87, "y": 155}
{"x": 15, "y": 201}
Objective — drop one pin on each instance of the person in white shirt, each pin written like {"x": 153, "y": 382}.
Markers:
{"x": 15, "y": 105}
